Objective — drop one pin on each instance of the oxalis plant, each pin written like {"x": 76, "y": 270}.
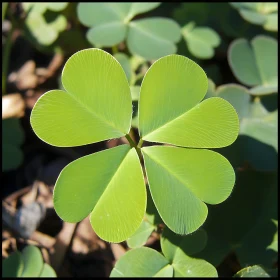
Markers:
{"x": 109, "y": 185}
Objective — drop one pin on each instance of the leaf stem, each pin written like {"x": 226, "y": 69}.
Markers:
{"x": 133, "y": 145}
{"x": 140, "y": 143}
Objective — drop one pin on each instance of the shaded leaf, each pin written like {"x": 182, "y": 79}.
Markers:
{"x": 140, "y": 237}
{"x": 255, "y": 64}
{"x": 32, "y": 260}
{"x": 47, "y": 271}
{"x": 153, "y": 38}
{"x": 142, "y": 262}
{"x": 256, "y": 271}
{"x": 201, "y": 41}
{"x": 13, "y": 265}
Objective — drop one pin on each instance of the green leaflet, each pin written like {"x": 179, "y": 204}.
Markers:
{"x": 111, "y": 24}
{"x": 175, "y": 181}
{"x": 13, "y": 265}
{"x": 142, "y": 262}
{"x": 201, "y": 41}
{"x": 264, "y": 14}
{"x": 255, "y": 64}
{"x": 28, "y": 263}
{"x": 32, "y": 261}
{"x": 146, "y": 262}
{"x": 47, "y": 271}
{"x": 256, "y": 271}
{"x": 74, "y": 117}
{"x": 117, "y": 201}
{"x": 178, "y": 119}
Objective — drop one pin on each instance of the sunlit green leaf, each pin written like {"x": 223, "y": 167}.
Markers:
{"x": 178, "y": 118}
{"x": 117, "y": 208}
{"x": 175, "y": 181}
{"x": 88, "y": 111}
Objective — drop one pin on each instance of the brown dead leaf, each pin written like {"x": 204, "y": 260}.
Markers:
{"x": 13, "y": 106}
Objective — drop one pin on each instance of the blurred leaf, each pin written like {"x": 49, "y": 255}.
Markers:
{"x": 256, "y": 271}
{"x": 12, "y": 139}
{"x": 153, "y": 38}
{"x": 107, "y": 35}
{"x": 111, "y": 24}
{"x": 12, "y": 266}
{"x": 255, "y": 65}
{"x": 201, "y": 41}
{"x": 39, "y": 26}
{"x": 180, "y": 168}
{"x": 135, "y": 92}
{"x": 123, "y": 59}
{"x": 105, "y": 191}
{"x": 142, "y": 262}
{"x": 33, "y": 261}
{"x": 264, "y": 14}
{"x": 47, "y": 271}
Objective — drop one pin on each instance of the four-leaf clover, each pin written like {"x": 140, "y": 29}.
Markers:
{"x": 109, "y": 185}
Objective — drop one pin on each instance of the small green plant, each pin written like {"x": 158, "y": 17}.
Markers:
{"x": 255, "y": 64}
{"x": 179, "y": 258}
{"x": 265, "y": 14}
{"x": 45, "y": 30}
{"x": 259, "y": 125}
{"x": 200, "y": 41}
{"x": 28, "y": 263}
{"x": 111, "y": 24}
{"x": 96, "y": 105}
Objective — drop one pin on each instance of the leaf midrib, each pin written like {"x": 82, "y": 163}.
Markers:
{"x": 168, "y": 170}
{"x": 98, "y": 117}
{"x": 170, "y": 121}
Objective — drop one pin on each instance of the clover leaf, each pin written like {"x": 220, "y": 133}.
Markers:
{"x": 178, "y": 259}
{"x": 255, "y": 64}
{"x": 264, "y": 14}
{"x": 97, "y": 105}
{"x": 200, "y": 41}
{"x": 258, "y": 128}
{"x": 38, "y": 26}
{"x": 256, "y": 271}
{"x": 28, "y": 263}
{"x": 111, "y": 24}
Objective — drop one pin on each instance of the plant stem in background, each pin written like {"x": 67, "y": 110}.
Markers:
{"x": 6, "y": 56}
{"x": 4, "y": 9}
{"x": 114, "y": 49}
